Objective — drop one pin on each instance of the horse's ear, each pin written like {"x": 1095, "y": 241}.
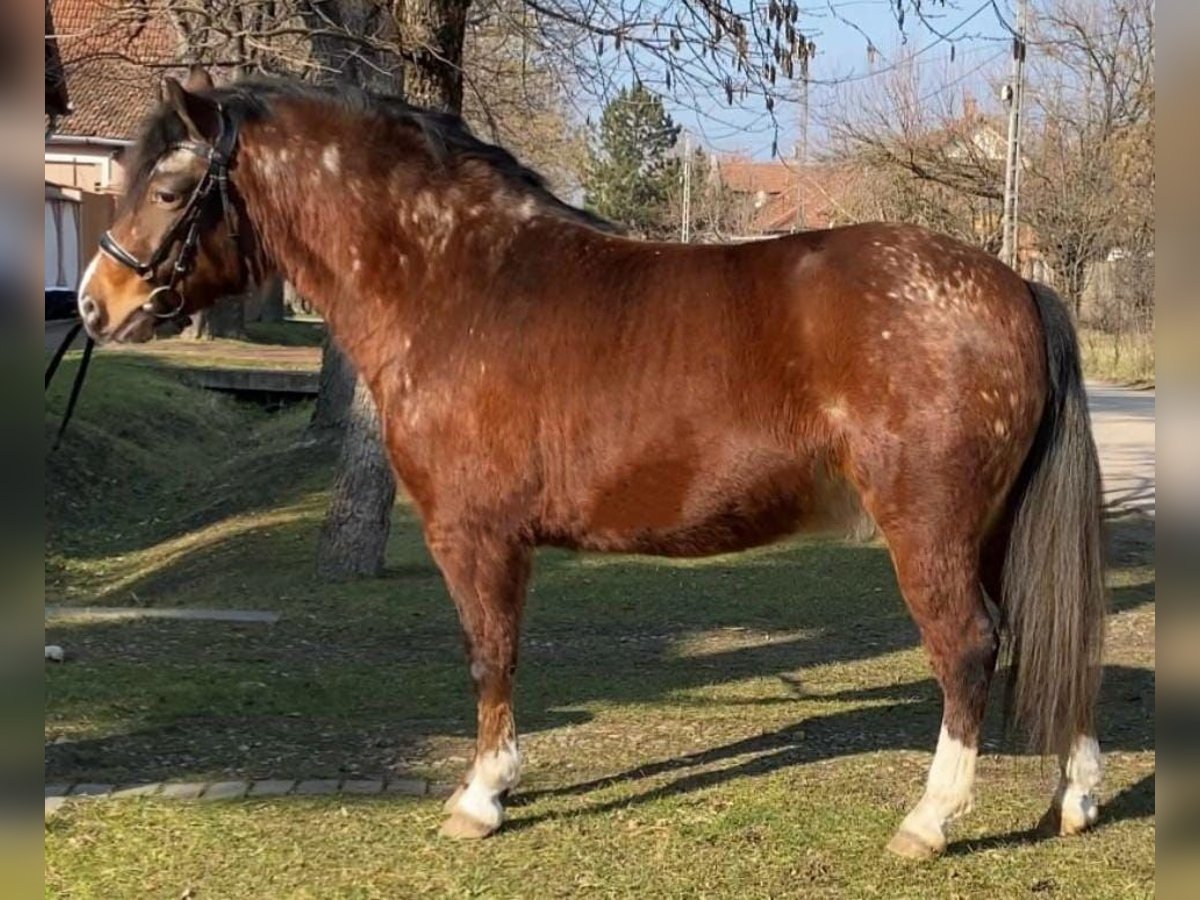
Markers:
{"x": 198, "y": 79}
{"x": 200, "y": 115}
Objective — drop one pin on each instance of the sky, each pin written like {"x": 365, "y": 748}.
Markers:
{"x": 841, "y": 30}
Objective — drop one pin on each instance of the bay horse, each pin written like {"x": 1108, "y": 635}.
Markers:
{"x": 542, "y": 380}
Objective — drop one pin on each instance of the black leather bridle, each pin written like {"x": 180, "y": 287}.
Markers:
{"x": 219, "y": 154}
{"x": 165, "y": 300}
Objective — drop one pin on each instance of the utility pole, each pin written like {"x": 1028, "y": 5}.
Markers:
{"x": 1012, "y": 171}
{"x": 685, "y": 227}
{"x": 802, "y": 157}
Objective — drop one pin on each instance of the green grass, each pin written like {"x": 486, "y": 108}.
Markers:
{"x": 288, "y": 333}
{"x": 752, "y": 725}
{"x": 1124, "y": 359}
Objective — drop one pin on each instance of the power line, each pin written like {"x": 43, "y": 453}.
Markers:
{"x": 944, "y": 37}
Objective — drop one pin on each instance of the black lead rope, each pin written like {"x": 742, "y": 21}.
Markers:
{"x": 61, "y": 351}
{"x": 77, "y": 386}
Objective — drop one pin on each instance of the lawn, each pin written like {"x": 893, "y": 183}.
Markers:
{"x": 753, "y": 725}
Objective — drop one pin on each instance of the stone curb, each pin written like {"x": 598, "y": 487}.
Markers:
{"x": 56, "y": 795}
{"x": 120, "y": 613}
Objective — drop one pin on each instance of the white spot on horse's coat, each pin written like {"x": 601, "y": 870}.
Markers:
{"x": 330, "y": 159}
{"x": 175, "y": 162}
{"x": 947, "y": 791}
{"x": 527, "y": 210}
{"x": 285, "y": 155}
{"x": 886, "y": 335}
{"x": 1000, "y": 427}
{"x": 492, "y": 774}
{"x": 356, "y": 265}
{"x": 836, "y": 410}
{"x": 478, "y": 670}
{"x": 1081, "y": 775}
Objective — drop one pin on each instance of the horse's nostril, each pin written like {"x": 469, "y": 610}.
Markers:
{"x": 88, "y": 310}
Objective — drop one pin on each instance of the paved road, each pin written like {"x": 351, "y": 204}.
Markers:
{"x": 1123, "y": 421}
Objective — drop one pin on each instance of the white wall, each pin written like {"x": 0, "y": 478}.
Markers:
{"x": 62, "y": 244}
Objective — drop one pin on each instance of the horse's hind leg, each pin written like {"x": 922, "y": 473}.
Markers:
{"x": 487, "y": 577}
{"x": 939, "y": 577}
{"x": 1074, "y": 807}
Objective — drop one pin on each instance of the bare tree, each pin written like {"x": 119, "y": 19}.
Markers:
{"x": 1087, "y": 201}
{"x": 353, "y": 538}
{"x": 927, "y": 155}
{"x": 1090, "y": 172}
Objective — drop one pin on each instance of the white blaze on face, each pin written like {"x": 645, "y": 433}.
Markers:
{"x": 87, "y": 275}
{"x": 491, "y": 775}
{"x": 947, "y": 792}
{"x": 83, "y": 282}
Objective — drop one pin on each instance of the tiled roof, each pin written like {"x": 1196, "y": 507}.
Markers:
{"x": 786, "y": 195}
{"x": 56, "y": 87}
{"x": 114, "y": 55}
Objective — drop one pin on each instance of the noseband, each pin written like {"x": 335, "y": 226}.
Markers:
{"x": 165, "y": 300}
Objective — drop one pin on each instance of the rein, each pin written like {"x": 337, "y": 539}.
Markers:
{"x": 77, "y": 384}
{"x": 216, "y": 178}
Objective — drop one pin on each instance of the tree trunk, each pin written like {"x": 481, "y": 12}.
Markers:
{"x": 433, "y": 32}
{"x": 335, "y": 391}
{"x": 224, "y": 319}
{"x": 355, "y": 532}
{"x": 272, "y": 301}
{"x": 354, "y": 536}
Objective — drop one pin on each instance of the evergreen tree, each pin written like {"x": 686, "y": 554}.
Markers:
{"x": 630, "y": 176}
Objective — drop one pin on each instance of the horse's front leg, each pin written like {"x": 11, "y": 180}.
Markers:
{"x": 487, "y": 575}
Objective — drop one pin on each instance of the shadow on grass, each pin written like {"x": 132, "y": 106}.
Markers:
{"x": 1134, "y": 802}
{"x": 356, "y": 676}
{"x": 909, "y": 724}
{"x": 148, "y": 459}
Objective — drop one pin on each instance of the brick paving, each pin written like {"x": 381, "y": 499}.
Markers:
{"x": 59, "y": 794}
{"x": 118, "y": 613}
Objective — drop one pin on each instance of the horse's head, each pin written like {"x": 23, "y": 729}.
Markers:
{"x": 173, "y": 248}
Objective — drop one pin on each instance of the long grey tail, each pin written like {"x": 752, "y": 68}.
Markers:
{"x": 1054, "y": 597}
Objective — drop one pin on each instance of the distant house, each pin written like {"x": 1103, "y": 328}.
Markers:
{"x": 112, "y": 56}
{"x": 783, "y": 196}
{"x": 104, "y": 61}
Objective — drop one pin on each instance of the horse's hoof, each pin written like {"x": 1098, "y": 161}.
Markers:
{"x": 910, "y": 846}
{"x": 452, "y": 801}
{"x": 462, "y": 827}
{"x": 1067, "y": 822}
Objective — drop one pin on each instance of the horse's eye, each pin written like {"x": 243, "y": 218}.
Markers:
{"x": 166, "y": 198}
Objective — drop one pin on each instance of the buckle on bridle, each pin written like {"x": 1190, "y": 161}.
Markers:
{"x": 151, "y": 306}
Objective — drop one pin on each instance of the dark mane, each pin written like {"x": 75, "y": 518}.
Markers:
{"x": 447, "y": 137}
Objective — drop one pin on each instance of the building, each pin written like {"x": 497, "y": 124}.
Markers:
{"x": 112, "y": 56}
{"x": 783, "y": 196}
{"x": 104, "y": 62}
